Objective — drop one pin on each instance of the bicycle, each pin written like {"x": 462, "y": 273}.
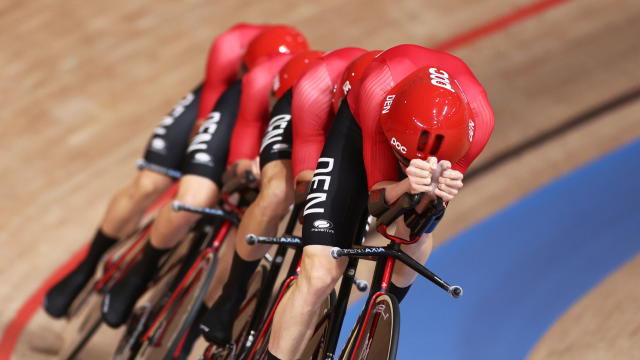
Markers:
{"x": 85, "y": 315}
{"x": 160, "y": 321}
{"x": 375, "y": 334}
{"x": 254, "y": 340}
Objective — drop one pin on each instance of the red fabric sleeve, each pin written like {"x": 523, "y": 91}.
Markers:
{"x": 311, "y": 109}
{"x": 483, "y": 127}
{"x": 380, "y": 162}
{"x": 223, "y": 63}
{"x": 253, "y": 115}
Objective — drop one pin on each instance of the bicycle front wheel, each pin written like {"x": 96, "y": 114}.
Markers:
{"x": 379, "y": 337}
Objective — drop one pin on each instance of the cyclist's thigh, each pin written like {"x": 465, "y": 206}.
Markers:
{"x": 278, "y": 139}
{"x": 338, "y": 194}
{"x": 165, "y": 151}
{"x": 208, "y": 152}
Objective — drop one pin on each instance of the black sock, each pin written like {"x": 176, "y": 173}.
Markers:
{"x": 270, "y": 356}
{"x": 398, "y": 292}
{"x": 239, "y": 277}
{"x": 147, "y": 266}
{"x": 194, "y": 331}
{"x": 101, "y": 243}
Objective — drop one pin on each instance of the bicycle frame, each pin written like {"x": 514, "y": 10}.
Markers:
{"x": 258, "y": 320}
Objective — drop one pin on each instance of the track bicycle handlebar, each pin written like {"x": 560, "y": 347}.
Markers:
{"x": 417, "y": 223}
{"x": 238, "y": 182}
{"x": 233, "y": 217}
{"x": 290, "y": 240}
{"x": 454, "y": 291}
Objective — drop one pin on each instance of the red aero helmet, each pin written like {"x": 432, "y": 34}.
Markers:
{"x": 351, "y": 74}
{"x": 279, "y": 38}
{"x": 427, "y": 114}
{"x": 291, "y": 71}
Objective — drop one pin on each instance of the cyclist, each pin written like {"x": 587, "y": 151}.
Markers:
{"x": 412, "y": 106}
{"x": 219, "y": 142}
{"x": 162, "y": 163}
{"x": 313, "y": 89}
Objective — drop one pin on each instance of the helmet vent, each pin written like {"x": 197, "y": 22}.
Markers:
{"x": 436, "y": 145}
{"x": 422, "y": 141}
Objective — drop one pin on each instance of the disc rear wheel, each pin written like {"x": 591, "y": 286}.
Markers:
{"x": 379, "y": 338}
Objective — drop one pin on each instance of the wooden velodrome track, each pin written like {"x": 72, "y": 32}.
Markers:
{"x": 83, "y": 83}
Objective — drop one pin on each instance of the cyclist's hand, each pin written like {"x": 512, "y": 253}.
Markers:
{"x": 419, "y": 173}
{"x": 242, "y": 165}
{"x": 448, "y": 182}
{"x": 255, "y": 167}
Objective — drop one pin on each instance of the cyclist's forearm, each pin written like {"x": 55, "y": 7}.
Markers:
{"x": 394, "y": 189}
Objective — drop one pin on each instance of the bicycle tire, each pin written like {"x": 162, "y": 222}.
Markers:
{"x": 315, "y": 349}
{"x": 166, "y": 337}
{"x": 85, "y": 313}
{"x": 378, "y": 339}
{"x": 90, "y": 319}
{"x": 241, "y": 324}
{"x": 149, "y": 304}
{"x": 314, "y": 343}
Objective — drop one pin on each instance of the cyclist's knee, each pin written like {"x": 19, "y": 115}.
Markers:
{"x": 149, "y": 184}
{"x": 319, "y": 273}
{"x": 197, "y": 191}
{"x": 276, "y": 196}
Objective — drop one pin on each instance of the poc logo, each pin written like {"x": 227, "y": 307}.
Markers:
{"x": 471, "y": 130}
{"x": 387, "y": 104}
{"x": 440, "y": 79}
{"x": 398, "y": 146}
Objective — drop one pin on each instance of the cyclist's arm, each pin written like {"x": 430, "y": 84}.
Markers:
{"x": 419, "y": 177}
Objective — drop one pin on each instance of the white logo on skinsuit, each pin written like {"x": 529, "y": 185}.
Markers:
{"x": 319, "y": 197}
{"x": 205, "y": 133}
{"x": 158, "y": 144}
{"x": 275, "y": 129}
{"x": 322, "y": 224}
{"x": 277, "y": 147}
